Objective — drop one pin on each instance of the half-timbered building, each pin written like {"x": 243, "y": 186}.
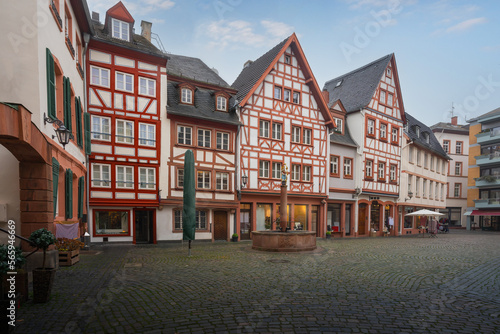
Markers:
{"x": 200, "y": 117}
{"x": 285, "y": 120}
{"x": 125, "y": 76}
{"x": 372, "y": 99}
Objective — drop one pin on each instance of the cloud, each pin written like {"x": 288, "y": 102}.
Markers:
{"x": 467, "y": 24}
{"x": 277, "y": 29}
{"x": 135, "y": 7}
{"x": 361, "y": 4}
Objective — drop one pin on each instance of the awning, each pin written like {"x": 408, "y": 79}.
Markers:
{"x": 485, "y": 213}
{"x": 467, "y": 213}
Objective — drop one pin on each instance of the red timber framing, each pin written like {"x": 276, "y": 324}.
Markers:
{"x": 285, "y": 121}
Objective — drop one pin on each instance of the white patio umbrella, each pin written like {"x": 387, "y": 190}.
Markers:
{"x": 425, "y": 212}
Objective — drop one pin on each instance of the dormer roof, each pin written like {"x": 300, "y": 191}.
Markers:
{"x": 120, "y": 12}
{"x": 433, "y": 144}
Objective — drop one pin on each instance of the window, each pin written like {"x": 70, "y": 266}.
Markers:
{"x": 124, "y": 177}
{"x": 306, "y": 137}
{"x": 438, "y": 165}
{"x": 201, "y": 219}
{"x": 203, "y": 179}
{"x": 410, "y": 188}
{"x": 186, "y": 95}
{"x": 184, "y": 135}
{"x": 436, "y": 191}
{"x": 417, "y": 187}
{"x": 443, "y": 167}
{"x": 424, "y": 188}
{"x": 457, "y": 190}
{"x": 382, "y": 97}
{"x": 383, "y": 131}
{"x": 204, "y": 138}
{"x": 410, "y": 154}
{"x": 100, "y": 128}
{"x": 68, "y": 201}
{"x": 120, "y": 29}
{"x": 458, "y": 147}
{"x": 124, "y": 82}
{"x": 426, "y": 160}
{"x": 390, "y": 98}
{"x": 370, "y": 127}
{"x": 388, "y": 72}
{"x": 442, "y": 192}
{"x": 458, "y": 168}
{"x": 392, "y": 173}
{"x": 347, "y": 167}
{"x": 287, "y": 95}
{"x": 111, "y": 222}
{"x": 395, "y": 135}
{"x": 431, "y": 185}
{"x": 334, "y": 165}
{"x": 81, "y": 196}
{"x": 124, "y": 132}
{"x": 147, "y": 134}
{"x": 306, "y": 173}
{"x": 432, "y": 162}
{"x": 426, "y": 137}
{"x": 99, "y": 76}
{"x": 295, "y": 134}
{"x": 419, "y": 159}
{"x": 221, "y": 103}
{"x": 180, "y": 177}
{"x": 67, "y": 114}
{"x": 147, "y": 86}
{"x": 78, "y": 122}
{"x": 277, "y": 131}
{"x": 338, "y": 123}
{"x": 147, "y": 178}
{"x": 277, "y": 92}
{"x": 51, "y": 85}
{"x": 446, "y": 146}
{"x": 295, "y": 172}
{"x": 369, "y": 169}
{"x": 287, "y": 59}
{"x": 221, "y": 181}
{"x": 381, "y": 171}
{"x": 264, "y": 129}
{"x": 417, "y": 131}
{"x": 264, "y": 169}
{"x": 276, "y": 173}
{"x": 222, "y": 141}
{"x": 296, "y": 97}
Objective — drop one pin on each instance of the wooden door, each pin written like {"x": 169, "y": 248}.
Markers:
{"x": 220, "y": 225}
{"x": 362, "y": 220}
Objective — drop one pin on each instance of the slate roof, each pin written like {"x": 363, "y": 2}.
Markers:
{"x": 433, "y": 144}
{"x": 344, "y": 139}
{"x": 494, "y": 112}
{"x": 357, "y": 87}
{"x": 138, "y": 43}
{"x": 448, "y": 127}
{"x": 193, "y": 69}
{"x": 253, "y": 72}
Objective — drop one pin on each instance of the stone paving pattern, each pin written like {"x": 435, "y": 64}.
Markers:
{"x": 449, "y": 284}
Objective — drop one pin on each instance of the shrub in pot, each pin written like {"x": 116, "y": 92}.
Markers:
{"x": 235, "y": 237}
{"x": 43, "y": 278}
{"x": 328, "y": 234}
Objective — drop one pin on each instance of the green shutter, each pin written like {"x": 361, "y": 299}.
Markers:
{"x": 86, "y": 125}
{"x": 81, "y": 193}
{"x": 51, "y": 86}
{"x": 67, "y": 103}
{"x": 55, "y": 182}
{"x": 69, "y": 194}
{"x": 78, "y": 123}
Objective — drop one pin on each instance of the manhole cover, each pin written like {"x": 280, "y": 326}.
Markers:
{"x": 278, "y": 261}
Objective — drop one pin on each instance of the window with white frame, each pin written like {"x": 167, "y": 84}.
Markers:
{"x": 120, "y": 29}
{"x": 458, "y": 147}
{"x": 147, "y": 86}
{"x": 101, "y": 128}
{"x": 276, "y": 172}
{"x": 277, "y": 131}
{"x": 369, "y": 169}
{"x": 221, "y": 103}
{"x": 124, "y": 82}
{"x": 443, "y": 193}
{"x": 370, "y": 127}
{"x": 186, "y": 95}
{"x": 147, "y": 178}
{"x": 296, "y": 97}
{"x": 347, "y": 167}
{"x": 426, "y": 160}
{"x": 431, "y": 189}
{"x": 334, "y": 165}
{"x": 264, "y": 169}
{"x": 295, "y": 173}
{"x": 99, "y": 76}
{"x": 147, "y": 134}
{"x": 395, "y": 135}
{"x": 201, "y": 219}
{"x": 390, "y": 97}
{"x": 204, "y": 137}
{"x": 417, "y": 187}
{"x": 446, "y": 146}
{"x": 277, "y": 92}
{"x": 458, "y": 168}
{"x": 338, "y": 124}
{"x": 101, "y": 176}
{"x": 180, "y": 177}
{"x": 287, "y": 95}
{"x": 306, "y": 173}
{"x": 124, "y": 131}
{"x": 392, "y": 173}
{"x": 184, "y": 134}
{"x": 381, "y": 171}
{"x": 443, "y": 167}
{"x": 296, "y": 134}
{"x": 383, "y": 131}
{"x": 264, "y": 128}
{"x": 222, "y": 141}
{"x": 410, "y": 154}
{"x": 432, "y": 162}
{"x": 203, "y": 179}
{"x": 382, "y": 97}
{"x": 410, "y": 187}
{"x": 436, "y": 191}
{"x": 221, "y": 181}
{"x": 419, "y": 159}
{"x": 306, "y": 136}
{"x": 424, "y": 188}
{"x": 124, "y": 177}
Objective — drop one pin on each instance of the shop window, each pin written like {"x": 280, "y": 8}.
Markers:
{"x": 111, "y": 222}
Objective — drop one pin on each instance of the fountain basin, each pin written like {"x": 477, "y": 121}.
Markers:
{"x": 291, "y": 241}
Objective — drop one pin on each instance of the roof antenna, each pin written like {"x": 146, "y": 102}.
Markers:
{"x": 452, "y": 109}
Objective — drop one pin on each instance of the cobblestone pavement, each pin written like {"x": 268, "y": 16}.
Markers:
{"x": 449, "y": 284}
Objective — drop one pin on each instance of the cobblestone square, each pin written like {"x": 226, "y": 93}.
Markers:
{"x": 448, "y": 284}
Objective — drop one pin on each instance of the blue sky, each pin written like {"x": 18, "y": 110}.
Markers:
{"x": 446, "y": 51}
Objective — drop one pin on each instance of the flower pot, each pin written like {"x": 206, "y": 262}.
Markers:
{"x": 234, "y": 239}
{"x": 69, "y": 258}
{"x": 43, "y": 279}
{"x": 328, "y": 236}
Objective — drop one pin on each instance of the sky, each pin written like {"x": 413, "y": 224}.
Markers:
{"x": 447, "y": 52}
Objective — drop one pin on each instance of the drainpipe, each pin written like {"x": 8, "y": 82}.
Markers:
{"x": 86, "y": 39}
{"x": 237, "y": 166}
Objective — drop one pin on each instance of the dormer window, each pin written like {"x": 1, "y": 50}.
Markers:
{"x": 221, "y": 103}
{"x": 426, "y": 137}
{"x": 186, "y": 95}
{"x": 120, "y": 29}
{"x": 417, "y": 131}
{"x": 338, "y": 123}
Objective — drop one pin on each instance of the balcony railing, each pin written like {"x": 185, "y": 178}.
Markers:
{"x": 489, "y": 158}
{"x": 487, "y": 181}
{"x": 488, "y": 203}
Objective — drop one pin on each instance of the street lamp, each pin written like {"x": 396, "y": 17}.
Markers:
{"x": 63, "y": 134}
{"x": 410, "y": 195}
{"x": 244, "y": 180}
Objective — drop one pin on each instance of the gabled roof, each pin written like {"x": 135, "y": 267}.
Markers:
{"x": 194, "y": 69}
{"x": 433, "y": 144}
{"x": 120, "y": 12}
{"x": 357, "y": 87}
{"x": 493, "y": 113}
{"x": 450, "y": 128}
{"x": 254, "y": 74}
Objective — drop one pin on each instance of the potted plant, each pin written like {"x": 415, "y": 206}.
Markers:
{"x": 328, "y": 234}
{"x": 69, "y": 251}
{"x": 43, "y": 278}
{"x": 234, "y": 237}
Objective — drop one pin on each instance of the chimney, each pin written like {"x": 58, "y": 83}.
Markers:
{"x": 454, "y": 120}
{"x": 326, "y": 96}
{"x": 247, "y": 63}
{"x": 146, "y": 30}
{"x": 95, "y": 16}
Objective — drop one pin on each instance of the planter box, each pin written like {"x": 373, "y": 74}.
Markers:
{"x": 69, "y": 258}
